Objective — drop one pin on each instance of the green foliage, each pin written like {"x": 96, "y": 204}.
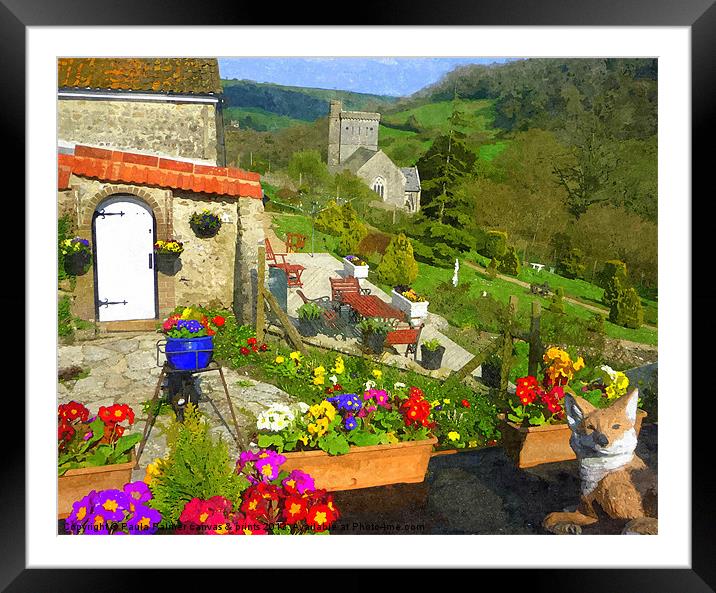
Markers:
{"x": 596, "y": 323}
{"x": 611, "y": 268}
{"x": 495, "y": 244}
{"x": 627, "y": 310}
{"x": 557, "y": 303}
{"x": 509, "y": 262}
{"x": 431, "y": 345}
{"x": 370, "y": 325}
{"x": 492, "y": 269}
{"x": 65, "y": 229}
{"x": 197, "y": 465}
{"x": 398, "y": 266}
{"x": 307, "y": 168}
{"x": 570, "y": 264}
{"x": 309, "y": 311}
{"x": 351, "y": 236}
{"x": 65, "y": 326}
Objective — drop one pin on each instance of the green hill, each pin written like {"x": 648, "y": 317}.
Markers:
{"x": 266, "y": 107}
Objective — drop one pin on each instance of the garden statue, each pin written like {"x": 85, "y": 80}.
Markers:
{"x": 613, "y": 479}
{"x": 454, "y": 276}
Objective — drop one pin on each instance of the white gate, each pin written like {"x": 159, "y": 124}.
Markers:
{"x": 124, "y": 247}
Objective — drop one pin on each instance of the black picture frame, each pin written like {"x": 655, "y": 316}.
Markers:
{"x": 699, "y": 15}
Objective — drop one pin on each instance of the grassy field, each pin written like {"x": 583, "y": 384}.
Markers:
{"x": 479, "y": 116}
{"x": 429, "y": 277}
{"x": 265, "y": 120}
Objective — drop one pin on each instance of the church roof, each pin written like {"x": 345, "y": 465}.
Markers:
{"x": 412, "y": 180}
{"x": 186, "y": 76}
{"x": 359, "y": 158}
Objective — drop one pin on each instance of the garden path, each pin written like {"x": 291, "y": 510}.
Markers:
{"x": 322, "y": 266}
{"x": 123, "y": 369}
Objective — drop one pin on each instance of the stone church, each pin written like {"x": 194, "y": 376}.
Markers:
{"x": 140, "y": 149}
{"x": 353, "y": 146}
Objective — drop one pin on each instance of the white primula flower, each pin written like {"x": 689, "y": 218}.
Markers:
{"x": 303, "y": 407}
{"x": 610, "y": 372}
{"x": 398, "y": 385}
{"x": 370, "y": 384}
{"x": 334, "y": 379}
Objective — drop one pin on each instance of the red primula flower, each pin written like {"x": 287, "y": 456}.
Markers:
{"x": 465, "y": 403}
{"x": 263, "y": 347}
{"x": 65, "y": 432}
{"x": 248, "y": 526}
{"x": 295, "y": 509}
{"x": 527, "y": 389}
{"x": 73, "y": 411}
{"x": 254, "y": 348}
{"x": 320, "y": 517}
{"x": 218, "y": 321}
{"x": 245, "y": 351}
{"x": 416, "y": 410}
{"x": 251, "y": 341}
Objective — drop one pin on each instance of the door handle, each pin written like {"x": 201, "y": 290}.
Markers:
{"x": 150, "y": 260}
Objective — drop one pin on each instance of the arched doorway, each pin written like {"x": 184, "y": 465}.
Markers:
{"x": 123, "y": 230}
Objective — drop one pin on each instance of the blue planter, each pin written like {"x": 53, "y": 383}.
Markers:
{"x": 189, "y": 354}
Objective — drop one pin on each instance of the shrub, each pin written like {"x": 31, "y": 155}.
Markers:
{"x": 374, "y": 242}
{"x": 197, "y": 466}
{"x": 613, "y": 267}
{"x": 557, "y": 304}
{"x": 570, "y": 264}
{"x": 596, "y": 323}
{"x": 612, "y": 289}
{"x": 495, "y": 244}
{"x": 492, "y": 269}
{"x": 509, "y": 263}
{"x": 627, "y": 311}
{"x": 398, "y": 265}
{"x": 351, "y": 237}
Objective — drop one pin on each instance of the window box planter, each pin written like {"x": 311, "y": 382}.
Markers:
{"x": 76, "y": 483}
{"x": 365, "y": 467}
{"x": 189, "y": 354}
{"x": 360, "y": 272}
{"x": 535, "y": 445}
{"x": 416, "y": 312}
{"x": 77, "y": 264}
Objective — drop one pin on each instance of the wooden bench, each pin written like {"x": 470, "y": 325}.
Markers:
{"x": 407, "y": 336}
{"x": 342, "y": 285}
{"x": 293, "y": 271}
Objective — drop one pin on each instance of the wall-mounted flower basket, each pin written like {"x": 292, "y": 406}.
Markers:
{"x": 205, "y": 224}
{"x": 77, "y": 256}
{"x": 166, "y": 256}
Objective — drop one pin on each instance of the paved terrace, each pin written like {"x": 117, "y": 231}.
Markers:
{"x": 322, "y": 266}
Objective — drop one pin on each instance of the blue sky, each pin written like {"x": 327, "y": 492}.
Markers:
{"x": 382, "y": 76}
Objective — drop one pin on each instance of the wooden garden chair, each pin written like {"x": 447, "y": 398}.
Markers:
{"x": 278, "y": 260}
{"x": 330, "y": 317}
{"x": 294, "y": 242}
{"x": 405, "y": 336}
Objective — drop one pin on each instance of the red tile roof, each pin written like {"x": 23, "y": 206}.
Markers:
{"x": 141, "y": 169}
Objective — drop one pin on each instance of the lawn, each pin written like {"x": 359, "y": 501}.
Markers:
{"x": 288, "y": 223}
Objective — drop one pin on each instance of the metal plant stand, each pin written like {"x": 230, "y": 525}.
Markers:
{"x": 181, "y": 388}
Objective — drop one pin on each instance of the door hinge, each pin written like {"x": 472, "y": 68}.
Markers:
{"x": 102, "y": 213}
{"x": 107, "y": 302}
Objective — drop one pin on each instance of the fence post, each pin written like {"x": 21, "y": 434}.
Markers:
{"x": 506, "y": 354}
{"x": 534, "y": 341}
{"x": 261, "y": 279}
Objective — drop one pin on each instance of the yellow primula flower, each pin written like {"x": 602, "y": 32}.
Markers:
{"x": 319, "y": 380}
{"x": 328, "y": 409}
{"x": 435, "y": 403}
{"x": 313, "y": 429}
{"x": 339, "y": 367}
{"x": 279, "y": 359}
{"x": 186, "y": 313}
{"x": 296, "y": 355}
{"x": 316, "y": 411}
{"x": 377, "y": 373}
{"x": 453, "y": 436}
{"x": 578, "y": 364}
{"x": 319, "y": 371}
{"x": 446, "y": 401}
{"x": 472, "y": 444}
{"x": 304, "y": 439}
{"x": 392, "y": 439}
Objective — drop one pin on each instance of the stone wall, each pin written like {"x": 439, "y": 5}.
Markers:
{"x": 394, "y": 181}
{"x": 185, "y": 130}
{"x": 206, "y": 276}
{"x": 357, "y": 133}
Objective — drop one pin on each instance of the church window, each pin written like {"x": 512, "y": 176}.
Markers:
{"x": 379, "y": 187}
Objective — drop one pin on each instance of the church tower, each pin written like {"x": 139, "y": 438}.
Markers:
{"x": 334, "y": 134}
{"x": 348, "y": 131}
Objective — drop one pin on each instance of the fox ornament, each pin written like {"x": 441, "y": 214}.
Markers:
{"x": 613, "y": 479}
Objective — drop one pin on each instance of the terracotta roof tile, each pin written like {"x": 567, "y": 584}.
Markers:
{"x": 127, "y": 167}
{"x": 166, "y": 75}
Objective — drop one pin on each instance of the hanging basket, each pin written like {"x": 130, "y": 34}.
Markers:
{"x": 167, "y": 263}
{"x": 205, "y": 224}
{"x": 77, "y": 264}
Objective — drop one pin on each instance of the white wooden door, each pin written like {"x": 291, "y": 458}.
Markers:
{"x": 124, "y": 242}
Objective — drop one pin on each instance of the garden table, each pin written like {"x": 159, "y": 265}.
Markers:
{"x": 369, "y": 305}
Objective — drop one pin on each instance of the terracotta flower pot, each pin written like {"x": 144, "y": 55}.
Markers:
{"x": 535, "y": 445}
{"x": 365, "y": 467}
{"x": 76, "y": 483}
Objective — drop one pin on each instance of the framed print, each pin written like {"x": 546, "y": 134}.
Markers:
{"x": 355, "y": 273}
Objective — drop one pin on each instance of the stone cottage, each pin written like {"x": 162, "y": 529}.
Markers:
{"x": 353, "y": 146}
{"x": 140, "y": 149}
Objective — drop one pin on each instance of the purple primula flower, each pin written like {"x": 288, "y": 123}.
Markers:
{"x": 350, "y": 423}
{"x": 88, "y": 435}
{"x": 81, "y": 510}
{"x": 268, "y": 465}
{"x": 245, "y": 458}
{"x": 138, "y": 491}
{"x": 112, "y": 504}
{"x": 96, "y": 524}
{"x": 144, "y": 521}
{"x": 302, "y": 481}
{"x": 346, "y": 401}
